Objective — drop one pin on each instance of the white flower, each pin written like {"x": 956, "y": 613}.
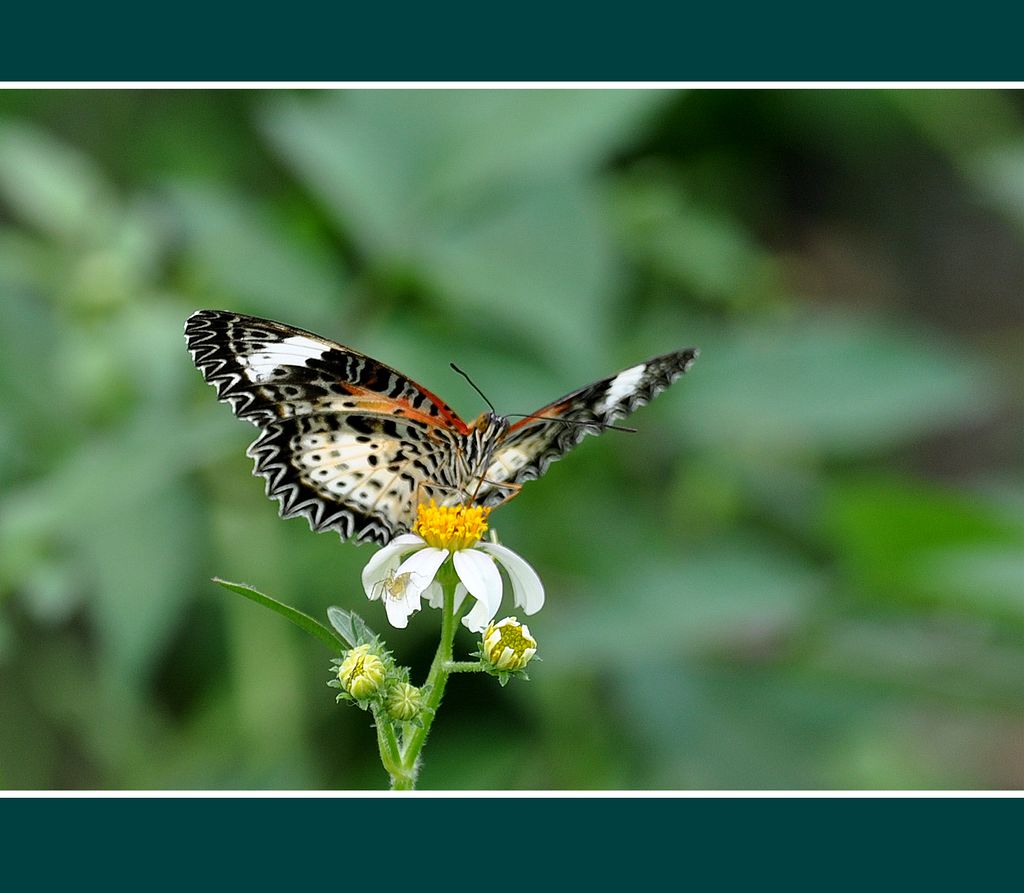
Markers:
{"x": 402, "y": 572}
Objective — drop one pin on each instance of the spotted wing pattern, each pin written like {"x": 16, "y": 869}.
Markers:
{"x": 354, "y": 446}
{"x": 533, "y": 443}
{"x": 345, "y": 441}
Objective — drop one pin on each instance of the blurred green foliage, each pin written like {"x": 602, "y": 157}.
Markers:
{"x": 805, "y": 571}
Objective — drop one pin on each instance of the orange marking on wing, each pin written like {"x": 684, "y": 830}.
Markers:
{"x": 549, "y": 413}
{"x": 447, "y": 413}
{"x": 371, "y": 401}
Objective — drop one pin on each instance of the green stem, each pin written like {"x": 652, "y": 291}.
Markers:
{"x": 436, "y": 678}
{"x": 387, "y": 744}
{"x": 464, "y": 666}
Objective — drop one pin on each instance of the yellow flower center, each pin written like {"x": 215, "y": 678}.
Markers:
{"x": 508, "y": 647}
{"x": 512, "y": 637}
{"x": 452, "y": 527}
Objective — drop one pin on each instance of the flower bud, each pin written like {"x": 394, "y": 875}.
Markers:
{"x": 508, "y": 644}
{"x": 361, "y": 673}
{"x": 404, "y": 702}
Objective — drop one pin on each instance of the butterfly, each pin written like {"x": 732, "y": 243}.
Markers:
{"x": 355, "y": 446}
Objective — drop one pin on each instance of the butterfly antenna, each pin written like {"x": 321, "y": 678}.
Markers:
{"x": 475, "y": 388}
{"x": 603, "y": 425}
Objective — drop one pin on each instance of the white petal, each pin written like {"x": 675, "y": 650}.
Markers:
{"x": 401, "y": 601}
{"x": 421, "y": 567}
{"x": 408, "y": 539}
{"x": 478, "y": 617}
{"x": 480, "y": 576}
{"x": 434, "y": 595}
{"x": 386, "y": 560}
{"x": 379, "y": 568}
{"x": 527, "y": 589}
{"x": 399, "y": 609}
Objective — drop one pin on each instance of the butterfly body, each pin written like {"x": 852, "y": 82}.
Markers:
{"x": 355, "y": 446}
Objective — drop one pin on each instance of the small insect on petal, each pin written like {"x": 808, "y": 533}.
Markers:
{"x": 384, "y": 562}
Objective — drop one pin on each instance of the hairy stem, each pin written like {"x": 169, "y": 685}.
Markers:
{"x": 465, "y": 666}
{"x": 436, "y": 678}
{"x": 390, "y": 755}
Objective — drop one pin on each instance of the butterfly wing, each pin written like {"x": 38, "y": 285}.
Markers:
{"x": 533, "y": 443}
{"x": 347, "y": 442}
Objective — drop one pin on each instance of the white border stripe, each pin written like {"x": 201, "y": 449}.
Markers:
{"x": 510, "y": 85}
{"x": 518, "y": 795}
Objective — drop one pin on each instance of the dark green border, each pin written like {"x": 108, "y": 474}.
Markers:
{"x": 518, "y": 42}
{"x": 345, "y": 844}
{"x": 700, "y": 843}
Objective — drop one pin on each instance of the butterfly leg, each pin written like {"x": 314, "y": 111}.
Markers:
{"x": 513, "y": 490}
{"x": 426, "y": 492}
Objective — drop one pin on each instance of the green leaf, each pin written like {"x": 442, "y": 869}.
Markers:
{"x": 670, "y": 604}
{"x": 829, "y": 383}
{"x": 514, "y": 266}
{"x": 240, "y": 249}
{"x": 908, "y": 541}
{"x": 50, "y": 185}
{"x": 389, "y": 162}
{"x": 137, "y": 561}
{"x": 489, "y": 200}
{"x": 1000, "y": 175}
{"x": 314, "y": 627}
{"x": 35, "y": 413}
{"x": 676, "y": 239}
{"x": 962, "y": 123}
{"x": 350, "y": 626}
{"x": 989, "y": 575}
